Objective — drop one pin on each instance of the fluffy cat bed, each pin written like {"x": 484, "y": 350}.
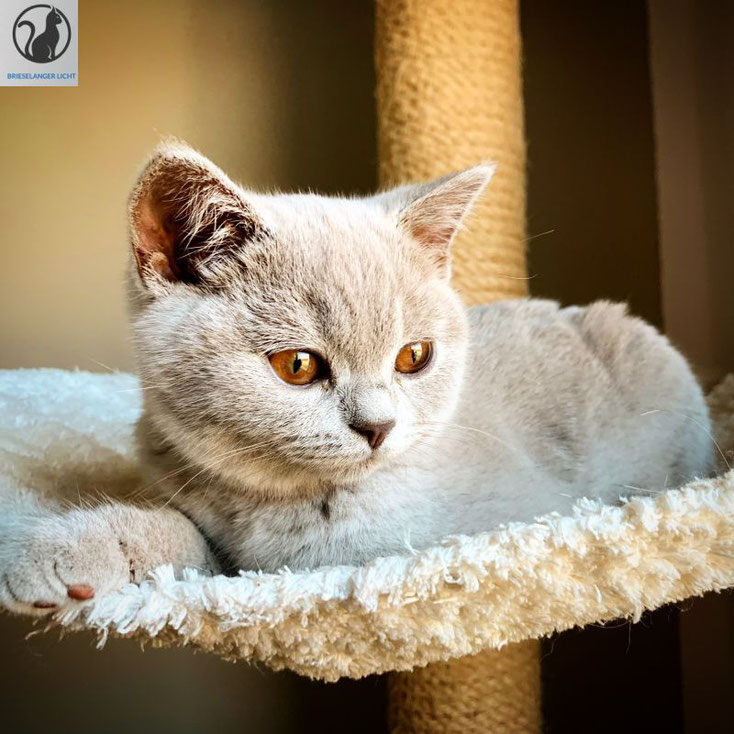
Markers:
{"x": 61, "y": 432}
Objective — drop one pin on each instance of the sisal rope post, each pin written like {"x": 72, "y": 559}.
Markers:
{"x": 449, "y": 95}
{"x": 494, "y": 692}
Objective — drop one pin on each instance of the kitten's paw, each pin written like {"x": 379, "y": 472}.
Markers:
{"x": 59, "y": 561}
{"x": 56, "y": 561}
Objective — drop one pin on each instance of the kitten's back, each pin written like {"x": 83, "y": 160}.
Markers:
{"x": 580, "y": 402}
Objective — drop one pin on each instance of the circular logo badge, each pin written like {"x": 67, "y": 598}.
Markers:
{"x": 41, "y": 33}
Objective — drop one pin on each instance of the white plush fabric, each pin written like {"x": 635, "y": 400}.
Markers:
{"x": 69, "y": 431}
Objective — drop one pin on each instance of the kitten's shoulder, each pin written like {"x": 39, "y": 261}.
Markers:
{"x": 630, "y": 351}
{"x": 521, "y": 315}
{"x": 516, "y": 316}
{"x": 602, "y": 331}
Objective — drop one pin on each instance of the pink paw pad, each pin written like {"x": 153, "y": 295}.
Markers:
{"x": 80, "y": 592}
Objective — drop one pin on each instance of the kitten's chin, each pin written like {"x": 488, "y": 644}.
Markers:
{"x": 289, "y": 479}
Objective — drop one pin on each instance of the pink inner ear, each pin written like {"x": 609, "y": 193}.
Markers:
{"x": 155, "y": 246}
{"x": 434, "y": 220}
{"x": 436, "y": 236}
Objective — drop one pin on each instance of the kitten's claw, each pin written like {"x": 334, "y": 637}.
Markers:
{"x": 80, "y": 592}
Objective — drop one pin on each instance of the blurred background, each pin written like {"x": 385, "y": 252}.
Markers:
{"x": 630, "y": 128}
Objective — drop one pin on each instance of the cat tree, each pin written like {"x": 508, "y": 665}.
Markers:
{"x": 456, "y": 624}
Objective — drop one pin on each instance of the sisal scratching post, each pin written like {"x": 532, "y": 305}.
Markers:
{"x": 449, "y": 95}
{"x": 493, "y": 692}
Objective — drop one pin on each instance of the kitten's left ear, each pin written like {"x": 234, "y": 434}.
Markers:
{"x": 432, "y": 212}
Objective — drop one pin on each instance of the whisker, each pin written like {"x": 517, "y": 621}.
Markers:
{"x": 184, "y": 485}
{"x": 641, "y": 489}
{"x": 136, "y": 389}
{"x": 540, "y": 234}
{"x": 191, "y": 464}
{"x": 518, "y": 277}
{"x": 102, "y": 364}
{"x": 693, "y": 420}
{"x": 475, "y": 430}
{"x": 221, "y": 457}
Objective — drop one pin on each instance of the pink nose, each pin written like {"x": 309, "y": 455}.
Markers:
{"x": 375, "y": 433}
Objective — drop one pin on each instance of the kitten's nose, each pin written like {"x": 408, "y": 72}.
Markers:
{"x": 375, "y": 433}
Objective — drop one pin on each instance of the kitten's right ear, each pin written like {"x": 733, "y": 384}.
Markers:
{"x": 431, "y": 213}
{"x": 186, "y": 216}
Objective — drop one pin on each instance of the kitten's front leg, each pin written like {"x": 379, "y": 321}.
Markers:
{"x": 51, "y": 560}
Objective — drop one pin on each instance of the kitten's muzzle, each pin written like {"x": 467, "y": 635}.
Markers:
{"x": 375, "y": 433}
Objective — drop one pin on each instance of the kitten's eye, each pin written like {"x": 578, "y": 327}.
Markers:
{"x": 296, "y": 367}
{"x": 413, "y": 357}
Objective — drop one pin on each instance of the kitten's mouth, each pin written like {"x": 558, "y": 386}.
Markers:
{"x": 347, "y": 468}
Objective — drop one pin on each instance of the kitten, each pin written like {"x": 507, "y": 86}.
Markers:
{"x": 315, "y": 393}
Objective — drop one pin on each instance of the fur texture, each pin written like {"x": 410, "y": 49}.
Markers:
{"x": 524, "y": 407}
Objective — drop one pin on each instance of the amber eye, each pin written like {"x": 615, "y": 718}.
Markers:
{"x": 296, "y": 367}
{"x": 413, "y": 357}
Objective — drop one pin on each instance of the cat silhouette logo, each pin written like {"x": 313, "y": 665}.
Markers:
{"x": 41, "y": 33}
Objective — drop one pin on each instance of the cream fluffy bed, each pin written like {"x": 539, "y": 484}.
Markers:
{"x": 66, "y": 433}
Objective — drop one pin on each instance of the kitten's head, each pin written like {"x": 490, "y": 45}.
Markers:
{"x": 291, "y": 342}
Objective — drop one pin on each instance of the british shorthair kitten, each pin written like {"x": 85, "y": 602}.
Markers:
{"x": 315, "y": 392}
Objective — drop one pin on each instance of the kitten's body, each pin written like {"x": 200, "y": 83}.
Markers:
{"x": 557, "y": 404}
{"x": 522, "y": 409}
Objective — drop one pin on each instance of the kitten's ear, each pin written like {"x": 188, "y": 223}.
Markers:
{"x": 185, "y": 216}
{"x": 432, "y": 212}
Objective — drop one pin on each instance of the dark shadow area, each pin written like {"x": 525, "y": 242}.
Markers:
{"x": 67, "y": 685}
{"x": 715, "y": 106}
{"x": 591, "y": 165}
{"x": 620, "y": 677}
{"x": 707, "y": 662}
{"x": 328, "y": 85}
